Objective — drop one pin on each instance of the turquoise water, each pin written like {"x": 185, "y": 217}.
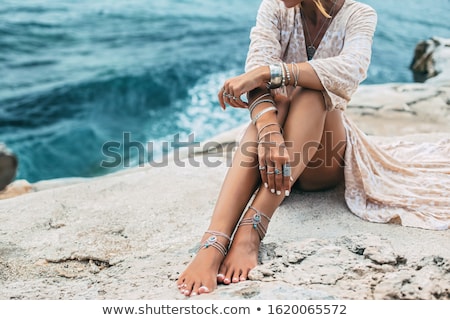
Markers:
{"x": 78, "y": 74}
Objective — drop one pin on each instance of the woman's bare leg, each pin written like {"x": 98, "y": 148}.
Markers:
{"x": 304, "y": 126}
{"x": 241, "y": 181}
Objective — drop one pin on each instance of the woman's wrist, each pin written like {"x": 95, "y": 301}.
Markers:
{"x": 281, "y": 75}
{"x": 264, "y": 74}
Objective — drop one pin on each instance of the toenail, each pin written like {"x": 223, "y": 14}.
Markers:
{"x": 205, "y": 289}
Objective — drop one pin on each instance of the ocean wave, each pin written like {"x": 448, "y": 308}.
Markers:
{"x": 78, "y": 74}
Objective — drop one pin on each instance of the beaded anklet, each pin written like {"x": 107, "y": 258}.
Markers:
{"x": 255, "y": 221}
{"x": 212, "y": 241}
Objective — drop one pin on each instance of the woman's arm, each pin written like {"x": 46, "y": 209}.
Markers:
{"x": 340, "y": 76}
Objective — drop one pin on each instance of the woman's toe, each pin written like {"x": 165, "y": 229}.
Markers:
{"x": 203, "y": 289}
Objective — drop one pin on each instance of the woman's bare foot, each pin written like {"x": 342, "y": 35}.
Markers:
{"x": 200, "y": 275}
{"x": 242, "y": 257}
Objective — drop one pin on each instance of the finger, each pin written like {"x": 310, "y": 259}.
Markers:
{"x": 235, "y": 101}
{"x": 221, "y": 97}
{"x": 240, "y": 103}
{"x": 271, "y": 177}
{"x": 262, "y": 164}
{"x": 278, "y": 178}
{"x": 263, "y": 172}
{"x": 287, "y": 179}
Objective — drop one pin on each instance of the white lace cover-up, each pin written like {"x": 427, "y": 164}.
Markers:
{"x": 405, "y": 183}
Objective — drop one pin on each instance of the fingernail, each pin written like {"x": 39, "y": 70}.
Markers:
{"x": 292, "y": 179}
{"x": 279, "y": 193}
{"x": 272, "y": 190}
{"x": 266, "y": 185}
{"x": 193, "y": 294}
{"x": 287, "y": 193}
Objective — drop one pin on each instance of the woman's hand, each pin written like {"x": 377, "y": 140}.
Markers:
{"x": 234, "y": 88}
{"x": 274, "y": 164}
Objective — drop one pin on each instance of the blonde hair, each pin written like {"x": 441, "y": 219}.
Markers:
{"x": 321, "y": 8}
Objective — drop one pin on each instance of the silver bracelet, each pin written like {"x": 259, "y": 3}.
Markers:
{"x": 254, "y": 105}
{"x": 295, "y": 72}
{"x": 286, "y": 75}
{"x": 259, "y": 115}
{"x": 276, "y": 76}
{"x": 283, "y": 80}
{"x": 257, "y": 101}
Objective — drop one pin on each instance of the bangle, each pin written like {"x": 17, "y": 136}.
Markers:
{"x": 260, "y": 140}
{"x": 288, "y": 74}
{"x": 295, "y": 71}
{"x": 269, "y": 125}
{"x": 257, "y": 102}
{"x": 259, "y": 115}
{"x": 276, "y": 76}
{"x": 283, "y": 79}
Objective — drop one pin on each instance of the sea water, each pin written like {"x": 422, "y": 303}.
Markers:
{"x": 81, "y": 79}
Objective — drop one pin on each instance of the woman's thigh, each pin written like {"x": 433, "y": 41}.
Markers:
{"x": 326, "y": 168}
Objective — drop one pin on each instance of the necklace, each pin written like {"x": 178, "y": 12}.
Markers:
{"x": 311, "y": 49}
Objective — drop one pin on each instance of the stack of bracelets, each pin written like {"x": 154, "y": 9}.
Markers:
{"x": 280, "y": 76}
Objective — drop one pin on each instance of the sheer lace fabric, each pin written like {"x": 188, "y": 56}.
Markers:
{"x": 405, "y": 183}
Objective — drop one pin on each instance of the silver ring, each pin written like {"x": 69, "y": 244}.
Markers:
{"x": 286, "y": 170}
{"x": 277, "y": 171}
{"x": 262, "y": 167}
{"x": 270, "y": 172}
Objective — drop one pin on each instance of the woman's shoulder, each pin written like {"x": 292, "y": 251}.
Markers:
{"x": 353, "y": 6}
{"x": 273, "y": 5}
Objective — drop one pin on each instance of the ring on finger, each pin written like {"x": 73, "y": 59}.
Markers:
{"x": 277, "y": 171}
{"x": 270, "y": 172}
{"x": 262, "y": 168}
{"x": 286, "y": 170}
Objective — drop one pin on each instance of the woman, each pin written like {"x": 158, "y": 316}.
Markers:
{"x": 306, "y": 59}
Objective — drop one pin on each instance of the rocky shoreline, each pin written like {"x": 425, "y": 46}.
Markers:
{"x": 128, "y": 235}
